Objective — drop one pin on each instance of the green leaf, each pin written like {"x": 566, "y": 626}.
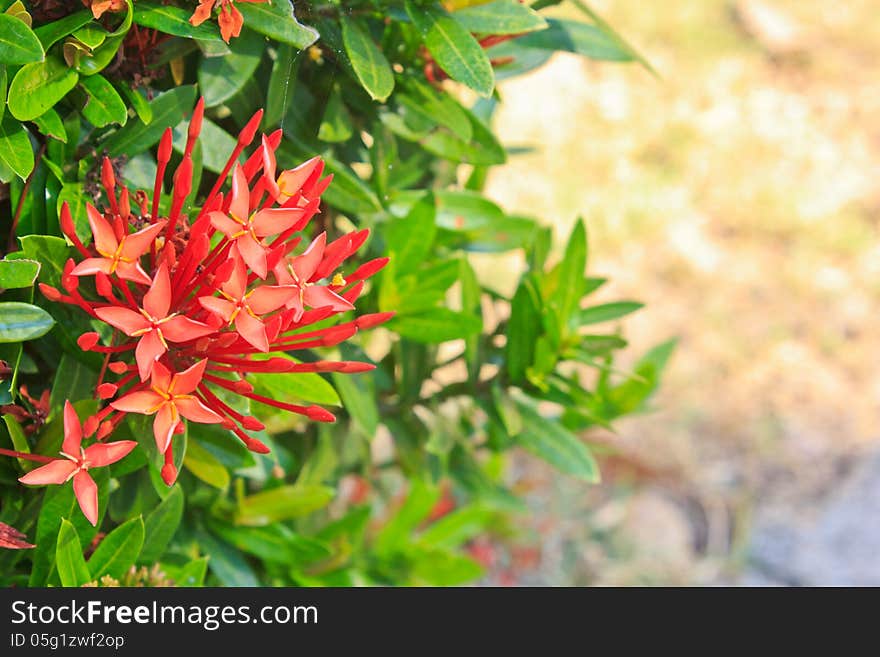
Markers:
{"x": 22, "y": 321}
{"x": 161, "y": 523}
{"x": 217, "y": 144}
{"x": 456, "y": 51}
{"x": 138, "y": 103}
{"x": 606, "y": 312}
{"x": 500, "y": 17}
{"x": 547, "y": 439}
{"x": 118, "y": 550}
{"x": 205, "y": 466}
{"x": 192, "y": 574}
{"x": 104, "y": 105}
{"x": 436, "y": 325}
{"x": 282, "y": 503}
{"x": 227, "y": 564}
{"x": 523, "y": 330}
{"x": 51, "y": 252}
{"x": 69, "y": 558}
{"x": 19, "y": 440}
{"x": 276, "y": 21}
{"x": 220, "y": 78}
{"x": 395, "y": 535}
{"x": 572, "y": 36}
{"x": 18, "y": 273}
{"x": 569, "y": 276}
{"x": 60, "y": 502}
{"x": 308, "y": 386}
{"x": 73, "y": 380}
{"x": 174, "y": 21}
{"x": 274, "y": 543}
{"x": 18, "y": 43}
{"x": 369, "y": 64}
{"x": 456, "y": 528}
{"x": 336, "y": 124}
{"x": 168, "y": 109}
{"x": 406, "y": 253}
{"x": 16, "y": 152}
{"x": 38, "y": 86}
{"x": 58, "y": 29}
{"x": 51, "y": 125}
{"x": 439, "y": 568}
{"x": 359, "y": 399}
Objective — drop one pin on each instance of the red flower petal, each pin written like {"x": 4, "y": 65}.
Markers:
{"x": 275, "y": 220}
{"x": 306, "y": 264}
{"x": 91, "y": 266}
{"x": 137, "y": 244}
{"x": 220, "y": 307}
{"x": 73, "y": 433}
{"x": 157, "y": 300}
{"x": 192, "y": 409}
{"x": 318, "y": 296}
{"x": 86, "y": 491}
{"x": 56, "y": 472}
{"x": 127, "y": 321}
{"x": 239, "y": 207}
{"x": 183, "y": 329}
{"x": 101, "y": 454}
{"x": 145, "y": 402}
{"x": 105, "y": 238}
{"x": 267, "y": 298}
{"x": 252, "y": 330}
{"x": 188, "y": 380}
{"x": 163, "y": 425}
{"x": 253, "y": 253}
{"x": 149, "y": 349}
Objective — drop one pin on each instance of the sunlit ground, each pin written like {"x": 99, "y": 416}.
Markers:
{"x": 739, "y": 196}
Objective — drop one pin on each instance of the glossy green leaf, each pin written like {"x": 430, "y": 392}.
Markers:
{"x": 205, "y": 466}
{"x": 276, "y": 21}
{"x": 500, "y": 17}
{"x": 456, "y": 51}
{"x": 69, "y": 558}
{"x": 51, "y": 252}
{"x": 16, "y": 153}
{"x": 51, "y": 125}
{"x": 18, "y": 273}
{"x": 18, "y": 43}
{"x": 309, "y": 387}
{"x": 220, "y": 78}
{"x": 38, "y": 86}
{"x": 523, "y": 329}
{"x": 104, "y": 105}
{"x": 569, "y": 277}
{"x": 23, "y": 321}
{"x": 173, "y": 20}
{"x": 369, "y": 64}
{"x": 168, "y": 109}
{"x": 138, "y": 103}
{"x": 282, "y": 503}
{"x": 161, "y": 524}
{"x": 420, "y": 499}
{"x": 56, "y": 30}
{"x": 118, "y": 550}
{"x": 192, "y": 574}
{"x": 547, "y": 439}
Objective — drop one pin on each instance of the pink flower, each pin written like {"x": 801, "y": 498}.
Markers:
{"x": 77, "y": 462}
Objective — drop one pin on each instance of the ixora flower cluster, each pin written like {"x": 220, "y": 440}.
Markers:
{"x": 196, "y": 305}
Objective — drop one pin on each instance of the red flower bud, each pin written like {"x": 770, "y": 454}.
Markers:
{"x": 50, "y": 292}
{"x": 88, "y": 340}
{"x": 169, "y": 474}
{"x": 106, "y": 390}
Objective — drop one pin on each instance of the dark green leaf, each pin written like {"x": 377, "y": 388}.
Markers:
{"x": 118, "y": 550}
{"x": 58, "y": 29}
{"x": 168, "y": 110}
{"x": 173, "y": 20}
{"x": 276, "y": 21}
{"x": 522, "y": 330}
{"x": 336, "y": 124}
{"x": 455, "y": 50}
{"x": 161, "y": 523}
{"x": 23, "y": 321}
{"x": 69, "y": 558}
{"x": 205, "y": 466}
{"x": 220, "y": 78}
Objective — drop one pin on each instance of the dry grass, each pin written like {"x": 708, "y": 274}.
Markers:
{"x": 739, "y": 196}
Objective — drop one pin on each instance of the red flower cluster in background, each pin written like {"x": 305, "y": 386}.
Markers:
{"x": 198, "y": 302}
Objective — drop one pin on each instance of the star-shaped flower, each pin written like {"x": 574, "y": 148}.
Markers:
{"x": 245, "y": 308}
{"x": 77, "y": 462}
{"x": 246, "y": 230}
{"x": 169, "y": 398}
{"x": 153, "y": 325}
{"x": 296, "y": 273}
{"x": 120, "y": 257}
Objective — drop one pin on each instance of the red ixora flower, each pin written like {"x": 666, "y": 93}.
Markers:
{"x": 201, "y": 301}
{"x": 76, "y": 463}
{"x": 229, "y": 18}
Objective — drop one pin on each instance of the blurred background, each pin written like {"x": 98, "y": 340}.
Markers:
{"x": 738, "y": 194}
